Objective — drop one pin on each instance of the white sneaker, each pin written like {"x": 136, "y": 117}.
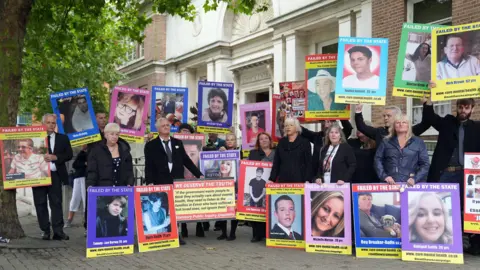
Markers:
{"x": 68, "y": 224}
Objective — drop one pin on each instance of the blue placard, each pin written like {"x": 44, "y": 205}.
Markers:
{"x": 171, "y": 103}
{"x": 215, "y": 104}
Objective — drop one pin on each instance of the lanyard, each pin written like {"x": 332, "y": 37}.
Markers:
{"x": 327, "y": 161}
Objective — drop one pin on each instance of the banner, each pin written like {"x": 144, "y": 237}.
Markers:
{"x": 292, "y": 97}
{"x": 279, "y": 114}
{"x": 251, "y": 190}
{"x": 254, "y": 119}
{"x": 377, "y": 218}
{"x": 129, "y": 110}
{"x": 414, "y": 61}
{"x": 193, "y": 145}
{"x": 155, "y": 218}
{"x": 328, "y": 227}
{"x": 454, "y": 69}
{"x": 204, "y": 200}
{"x": 285, "y": 221}
{"x": 215, "y": 164}
{"x": 110, "y": 221}
{"x": 320, "y": 73}
{"x": 215, "y": 107}
{"x": 75, "y": 116}
{"x": 432, "y": 228}
{"x": 362, "y": 70}
{"x": 171, "y": 103}
{"x": 23, "y": 163}
{"x": 471, "y": 215}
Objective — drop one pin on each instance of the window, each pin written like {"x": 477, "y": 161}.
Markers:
{"x": 430, "y": 12}
{"x": 326, "y": 47}
{"x": 24, "y": 119}
{"x": 141, "y": 50}
{"x": 131, "y": 51}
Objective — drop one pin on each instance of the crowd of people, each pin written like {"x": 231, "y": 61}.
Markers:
{"x": 391, "y": 154}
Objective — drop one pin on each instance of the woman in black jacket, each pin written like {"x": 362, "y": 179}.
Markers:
{"x": 364, "y": 149}
{"x": 337, "y": 159}
{"x": 293, "y": 156}
{"x": 110, "y": 162}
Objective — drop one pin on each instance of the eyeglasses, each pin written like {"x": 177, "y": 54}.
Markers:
{"x": 126, "y": 108}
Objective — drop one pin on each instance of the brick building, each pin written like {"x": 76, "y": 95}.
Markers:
{"x": 387, "y": 19}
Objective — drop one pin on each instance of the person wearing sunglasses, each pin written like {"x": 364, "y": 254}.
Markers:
{"x": 26, "y": 162}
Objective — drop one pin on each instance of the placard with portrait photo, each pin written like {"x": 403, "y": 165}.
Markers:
{"x": 215, "y": 107}
{"x": 456, "y": 62}
{"x": 254, "y": 119}
{"x": 220, "y": 164}
{"x": 362, "y": 70}
{"x": 193, "y": 145}
{"x": 22, "y": 151}
{"x": 432, "y": 228}
{"x": 279, "y": 114}
{"x": 129, "y": 110}
{"x": 110, "y": 221}
{"x": 292, "y": 98}
{"x": 75, "y": 116}
{"x": 471, "y": 213}
{"x": 171, "y": 103}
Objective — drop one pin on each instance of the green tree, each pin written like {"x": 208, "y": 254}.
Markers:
{"x": 44, "y": 43}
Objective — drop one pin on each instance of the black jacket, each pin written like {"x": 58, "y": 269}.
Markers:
{"x": 364, "y": 171}
{"x": 79, "y": 165}
{"x": 447, "y": 128}
{"x": 343, "y": 164}
{"x": 156, "y": 162}
{"x": 63, "y": 150}
{"x": 100, "y": 166}
{"x": 259, "y": 155}
{"x": 317, "y": 139}
{"x": 278, "y": 233}
{"x": 378, "y": 134}
{"x": 292, "y": 162}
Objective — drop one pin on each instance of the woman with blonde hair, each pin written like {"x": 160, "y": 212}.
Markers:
{"x": 402, "y": 157}
{"x": 429, "y": 220}
{"x": 129, "y": 111}
{"x": 328, "y": 214}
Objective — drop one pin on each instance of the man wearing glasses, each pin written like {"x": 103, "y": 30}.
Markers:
{"x": 455, "y": 63}
{"x": 27, "y": 163}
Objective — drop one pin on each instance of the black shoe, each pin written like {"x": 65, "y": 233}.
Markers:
{"x": 216, "y": 229}
{"x": 222, "y": 237}
{"x": 182, "y": 243}
{"x": 45, "y": 235}
{"x": 231, "y": 238}
{"x": 185, "y": 234}
{"x": 473, "y": 250}
{"x": 200, "y": 233}
{"x": 255, "y": 240}
{"x": 61, "y": 236}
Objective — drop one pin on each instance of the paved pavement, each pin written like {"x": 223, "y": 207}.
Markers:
{"x": 198, "y": 254}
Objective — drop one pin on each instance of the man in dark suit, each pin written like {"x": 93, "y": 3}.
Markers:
{"x": 59, "y": 152}
{"x": 165, "y": 158}
{"x": 285, "y": 214}
{"x": 169, "y": 106}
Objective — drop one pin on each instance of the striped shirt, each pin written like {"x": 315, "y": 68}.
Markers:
{"x": 32, "y": 166}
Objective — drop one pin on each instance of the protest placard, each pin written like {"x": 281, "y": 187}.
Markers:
{"x": 279, "y": 114}
{"x": 170, "y": 103}
{"x": 254, "y": 119}
{"x": 292, "y": 99}
{"x": 471, "y": 210}
{"x": 193, "y": 144}
{"x": 215, "y": 107}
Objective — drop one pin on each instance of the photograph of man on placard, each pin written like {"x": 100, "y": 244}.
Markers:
{"x": 362, "y": 68}
{"x": 75, "y": 114}
{"x": 28, "y": 159}
{"x": 284, "y": 224}
{"x": 455, "y": 55}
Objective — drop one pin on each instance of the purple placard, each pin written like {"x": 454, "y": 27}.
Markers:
{"x": 333, "y": 233}
{"x": 219, "y": 112}
{"x": 251, "y": 115}
{"x": 128, "y": 109}
{"x": 104, "y": 203}
{"x": 211, "y": 164}
{"x": 436, "y": 228}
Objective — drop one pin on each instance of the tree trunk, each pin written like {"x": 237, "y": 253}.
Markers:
{"x": 13, "y": 26}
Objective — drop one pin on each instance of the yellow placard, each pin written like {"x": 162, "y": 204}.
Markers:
{"x": 437, "y": 257}
{"x": 351, "y": 99}
{"x": 86, "y": 140}
{"x": 401, "y": 92}
{"x": 202, "y": 129}
{"x": 379, "y": 253}
{"x": 245, "y": 153}
{"x": 250, "y": 217}
{"x": 158, "y": 245}
{"x": 471, "y": 227}
{"x": 287, "y": 191}
{"x": 132, "y": 139}
{"x": 344, "y": 114}
{"x": 321, "y": 64}
{"x": 329, "y": 249}
{"x": 22, "y": 135}
{"x": 21, "y": 183}
{"x": 109, "y": 251}
{"x": 285, "y": 243}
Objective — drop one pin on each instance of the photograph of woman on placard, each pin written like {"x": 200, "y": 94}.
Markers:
{"x": 327, "y": 213}
{"x": 112, "y": 218}
{"x": 155, "y": 213}
{"x": 430, "y": 219}
{"x": 129, "y": 110}
{"x": 217, "y": 100}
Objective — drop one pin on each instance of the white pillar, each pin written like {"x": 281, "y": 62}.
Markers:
{"x": 211, "y": 71}
{"x": 222, "y": 74}
{"x": 239, "y": 99}
{"x": 296, "y": 50}
{"x": 279, "y": 63}
{"x": 187, "y": 79}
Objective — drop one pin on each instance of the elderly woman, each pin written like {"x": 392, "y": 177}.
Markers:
{"x": 337, "y": 159}
{"x": 428, "y": 220}
{"x": 327, "y": 214}
{"x": 217, "y": 107}
{"x": 110, "y": 162}
{"x": 129, "y": 111}
{"x": 293, "y": 156}
{"x": 402, "y": 157}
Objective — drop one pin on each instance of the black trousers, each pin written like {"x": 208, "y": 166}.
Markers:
{"x": 223, "y": 226}
{"x": 54, "y": 195}
{"x": 258, "y": 229}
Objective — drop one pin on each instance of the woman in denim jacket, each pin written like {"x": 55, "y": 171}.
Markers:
{"x": 402, "y": 157}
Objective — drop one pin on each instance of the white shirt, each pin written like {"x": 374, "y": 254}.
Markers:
{"x": 469, "y": 66}
{"x": 53, "y": 168}
{"x": 287, "y": 231}
{"x": 81, "y": 120}
{"x": 327, "y": 162}
{"x": 352, "y": 81}
{"x": 170, "y": 164}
